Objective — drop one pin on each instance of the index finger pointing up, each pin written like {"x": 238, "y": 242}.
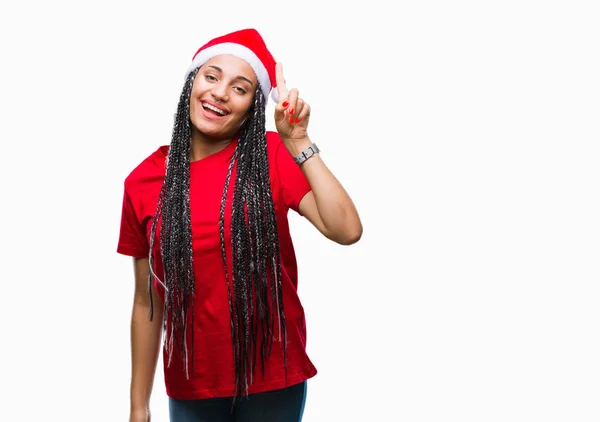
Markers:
{"x": 280, "y": 80}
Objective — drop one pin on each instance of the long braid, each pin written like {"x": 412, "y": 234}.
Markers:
{"x": 256, "y": 234}
{"x": 256, "y": 263}
{"x": 254, "y": 291}
{"x": 175, "y": 232}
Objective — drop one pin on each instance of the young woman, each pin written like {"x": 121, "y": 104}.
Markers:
{"x": 205, "y": 219}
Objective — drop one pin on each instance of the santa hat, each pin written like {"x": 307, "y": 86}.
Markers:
{"x": 248, "y": 45}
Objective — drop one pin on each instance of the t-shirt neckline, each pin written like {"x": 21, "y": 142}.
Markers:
{"x": 164, "y": 152}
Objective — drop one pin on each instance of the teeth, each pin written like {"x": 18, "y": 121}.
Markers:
{"x": 213, "y": 108}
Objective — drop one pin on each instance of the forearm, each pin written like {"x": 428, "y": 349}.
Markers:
{"x": 336, "y": 209}
{"x": 145, "y": 346}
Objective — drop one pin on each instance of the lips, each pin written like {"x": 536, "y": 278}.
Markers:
{"x": 211, "y": 107}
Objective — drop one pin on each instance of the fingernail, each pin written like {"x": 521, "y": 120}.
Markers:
{"x": 285, "y": 104}
{"x": 292, "y": 120}
{"x": 297, "y": 120}
{"x": 291, "y": 111}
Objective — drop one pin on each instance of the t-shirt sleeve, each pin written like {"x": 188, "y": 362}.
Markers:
{"x": 132, "y": 236}
{"x": 293, "y": 183}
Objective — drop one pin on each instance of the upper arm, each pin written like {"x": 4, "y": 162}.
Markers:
{"x": 141, "y": 270}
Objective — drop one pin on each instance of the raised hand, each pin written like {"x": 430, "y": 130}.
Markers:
{"x": 291, "y": 113}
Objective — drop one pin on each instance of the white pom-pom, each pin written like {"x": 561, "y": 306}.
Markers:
{"x": 274, "y": 95}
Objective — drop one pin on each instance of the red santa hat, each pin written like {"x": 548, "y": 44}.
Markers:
{"x": 248, "y": 45}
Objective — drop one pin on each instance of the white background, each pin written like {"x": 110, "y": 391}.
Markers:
{"x": 466, "y": 133}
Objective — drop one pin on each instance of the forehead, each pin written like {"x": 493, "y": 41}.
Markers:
{"x": 232, "y": 65}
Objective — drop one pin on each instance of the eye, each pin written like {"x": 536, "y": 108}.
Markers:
{"x": 210, "y": 78}
{"x": 240, "y": 90}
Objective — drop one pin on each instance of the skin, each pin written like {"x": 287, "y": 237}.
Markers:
{"x": 327, "y": 206}
{"x": 229, "y": 83}
{"x": 145, "y": 342}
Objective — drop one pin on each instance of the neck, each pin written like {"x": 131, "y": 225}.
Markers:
{"x": 203, "y": 146}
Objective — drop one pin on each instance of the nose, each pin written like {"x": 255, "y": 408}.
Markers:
{"x": 219, "y": 92}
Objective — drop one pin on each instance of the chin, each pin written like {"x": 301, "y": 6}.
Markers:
{"x": 212, "y": 130}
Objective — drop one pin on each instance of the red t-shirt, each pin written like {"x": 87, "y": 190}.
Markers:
{"x": 213, "y": 369}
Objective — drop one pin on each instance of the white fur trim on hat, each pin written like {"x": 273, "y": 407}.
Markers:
{"x": 239, "y": 51}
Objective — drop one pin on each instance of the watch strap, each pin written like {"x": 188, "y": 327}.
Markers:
{"x": 307, "y": 153}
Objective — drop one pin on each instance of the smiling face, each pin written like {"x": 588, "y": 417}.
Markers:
{"x": 221, "y": 97}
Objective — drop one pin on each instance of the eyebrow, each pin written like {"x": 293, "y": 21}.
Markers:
{"x": 217, "y": 68}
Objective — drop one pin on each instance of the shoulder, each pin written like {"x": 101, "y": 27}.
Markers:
{"x": 151, "y": 167}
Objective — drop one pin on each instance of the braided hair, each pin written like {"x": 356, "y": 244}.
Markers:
{"x": 254, "y": 285}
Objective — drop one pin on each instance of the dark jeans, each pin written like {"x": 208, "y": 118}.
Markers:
{"x": 284, "y": 405}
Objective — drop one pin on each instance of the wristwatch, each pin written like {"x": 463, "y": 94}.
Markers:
{"x": 306, "y": 154}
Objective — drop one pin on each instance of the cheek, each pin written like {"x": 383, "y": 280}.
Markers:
{"x": 193, "y": 107}
{"x": 194, "y": 98}
{"x": 243, "y": 106}
{"x": 198, "y": 88}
